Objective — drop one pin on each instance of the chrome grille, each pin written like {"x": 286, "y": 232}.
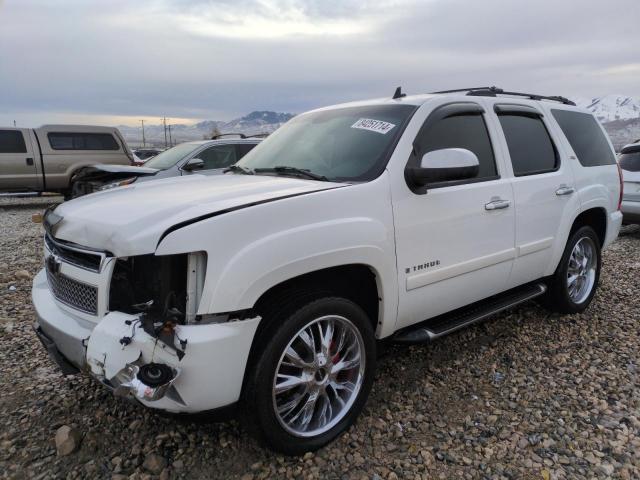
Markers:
{"x": 73, "y": 293}
{"x": 75, "y": 256}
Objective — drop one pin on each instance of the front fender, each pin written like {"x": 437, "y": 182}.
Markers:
{"x": 251, "y": 250}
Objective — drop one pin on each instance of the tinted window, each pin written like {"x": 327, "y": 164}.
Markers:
{"x": 82, "y": 141}
{"x": 243, "y": 148}
{"x": 220, "y": 156}
{"x": 630, "y": 162}
{"x": 530, "y": 146}
{"x": 169, "y": 158}
{"x": 12, "y": 141}
{"x": 346, "y": 144}
{"x": 586, "y": 138}
{"x": 461, "y": 131}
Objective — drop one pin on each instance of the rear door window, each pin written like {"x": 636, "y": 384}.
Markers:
{"x": 586, "y": 138}
{"x": 530, "y": 147}
{"x": 630, "y": 161}
{"x": 82, "y": 141}
{"x": 12, "y": 141}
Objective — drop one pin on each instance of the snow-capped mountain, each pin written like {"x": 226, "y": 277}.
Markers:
{"x": 612, "y": 107}
{"x": 253, "y": 123}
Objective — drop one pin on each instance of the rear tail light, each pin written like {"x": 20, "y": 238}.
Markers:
{"x": 621, "y": 187}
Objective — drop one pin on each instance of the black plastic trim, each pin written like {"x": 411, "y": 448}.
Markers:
{"x": 65, "y": 365}
{"x": 516, "y": 109}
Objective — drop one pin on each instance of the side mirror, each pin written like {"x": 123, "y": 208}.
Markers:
{"x": 193, "y": 164}
{"x": 444, "y": 165}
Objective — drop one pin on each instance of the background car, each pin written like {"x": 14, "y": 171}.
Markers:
{"x": 205, "y": 157}
{"x": 629, "y": 161}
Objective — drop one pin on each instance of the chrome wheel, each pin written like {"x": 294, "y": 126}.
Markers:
{"x": 581, "y": 272}
{"x": 319, "y": 376}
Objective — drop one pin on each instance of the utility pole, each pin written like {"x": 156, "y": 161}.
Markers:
{"x": 144, "y": 141}
{"x": 14, "y": 124}
{"x": 170, "y": 141}
{"x": 164, "y": 121}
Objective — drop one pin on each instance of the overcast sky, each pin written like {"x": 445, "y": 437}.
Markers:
{"x": 120, "y": 61}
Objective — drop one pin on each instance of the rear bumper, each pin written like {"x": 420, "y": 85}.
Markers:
{"x": 630, "y": 211}
{"x": 209, "y": 375}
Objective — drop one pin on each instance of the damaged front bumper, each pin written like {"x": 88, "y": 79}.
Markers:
{"x": 207, "y": 374}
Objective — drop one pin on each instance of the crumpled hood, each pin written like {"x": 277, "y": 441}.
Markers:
{"x": 123, "y": 169}
{"x": 130, "y": 220}
{"x": 105, "y": 172}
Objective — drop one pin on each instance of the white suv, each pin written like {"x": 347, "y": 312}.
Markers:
{"x": 268, "y": 288}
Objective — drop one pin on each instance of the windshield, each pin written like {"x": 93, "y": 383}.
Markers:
{"x": 170, "y": 157}
{"x": 347, "y": 144}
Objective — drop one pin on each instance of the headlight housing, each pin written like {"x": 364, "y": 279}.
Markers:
{"x": 119, "y": 183}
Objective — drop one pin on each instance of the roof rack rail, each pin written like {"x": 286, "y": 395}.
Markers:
{"x": 258, "y": 135}
{"x": 494, "y": 91}
{"x": 219, "y": 135}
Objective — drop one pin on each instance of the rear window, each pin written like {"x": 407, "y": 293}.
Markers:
{"x": 630, "y": 162}
{"x": 82, "y": 141}
{"x": 530, "y": 146}
{"x": 586, "y": 138}
{"x": 12, "y": 141}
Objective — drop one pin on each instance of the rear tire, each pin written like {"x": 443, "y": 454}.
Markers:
{"x": 575, "y": 280}
{"x": 310, "y": 376}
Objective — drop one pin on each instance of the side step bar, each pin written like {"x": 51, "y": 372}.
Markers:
{"x": 450, "y": 322}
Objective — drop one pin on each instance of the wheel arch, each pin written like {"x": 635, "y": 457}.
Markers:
{"x": 595, "y": 218}
{"x": 356, "y": 282}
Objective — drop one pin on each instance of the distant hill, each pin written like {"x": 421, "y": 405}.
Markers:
{"x": 254, "y": 122}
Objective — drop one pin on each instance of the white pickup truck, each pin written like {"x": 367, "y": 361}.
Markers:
{"x": 269, "y": 288}
{"x": 46, "y": 158}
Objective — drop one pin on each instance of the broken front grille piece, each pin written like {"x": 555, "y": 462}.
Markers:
{"x": 73, "y": 293}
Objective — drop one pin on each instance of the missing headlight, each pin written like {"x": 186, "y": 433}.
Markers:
{"x": 164, "y": 287}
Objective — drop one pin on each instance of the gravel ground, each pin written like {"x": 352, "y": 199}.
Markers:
{"x": 525, "y": 395}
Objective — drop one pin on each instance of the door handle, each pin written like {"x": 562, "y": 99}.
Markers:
{"x": 29, "y": 161}
{"x": 497, "y": 204}
{"x": 565, "y": 190}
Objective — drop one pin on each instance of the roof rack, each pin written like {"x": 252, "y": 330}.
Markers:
{"x": 219, "y": 135}
{"x": 258, "y": 135}
{"x": 494, "y": 91}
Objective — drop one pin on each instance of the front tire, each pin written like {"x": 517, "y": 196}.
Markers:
{"x": 575, "y": 281}
{"x": 310, "y": 379}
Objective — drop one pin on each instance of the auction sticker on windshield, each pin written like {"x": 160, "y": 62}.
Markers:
{"x": 373, "y": 125}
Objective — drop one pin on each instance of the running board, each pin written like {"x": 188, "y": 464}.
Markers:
{"x": 450, "y": 322}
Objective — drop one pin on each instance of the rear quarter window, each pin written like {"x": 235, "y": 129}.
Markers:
{"x": 585, "y": 137}
{"x": 12, "y": 141}
{"x": 82, "y": 141}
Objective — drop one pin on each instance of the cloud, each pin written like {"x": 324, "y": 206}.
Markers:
{"x": 198, "y": 59}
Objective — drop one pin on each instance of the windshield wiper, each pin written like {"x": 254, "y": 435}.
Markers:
{"x": 239, "y": 169}
{"x": 293, "y": 171}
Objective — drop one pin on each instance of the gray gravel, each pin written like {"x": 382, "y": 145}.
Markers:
{"x": 525, "y": 395}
